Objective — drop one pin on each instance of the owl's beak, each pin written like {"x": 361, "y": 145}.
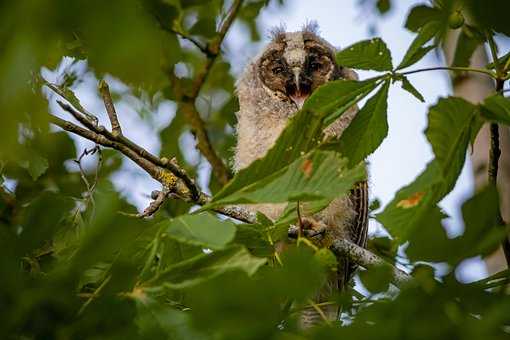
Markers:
{"x": 299, "y": 96}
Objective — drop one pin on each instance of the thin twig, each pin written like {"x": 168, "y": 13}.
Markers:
{"x": 144, "y": 159}
{"x": 104, "y": 90}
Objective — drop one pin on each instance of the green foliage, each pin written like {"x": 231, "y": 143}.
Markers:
{"x": 496, "y": 108}
{"x": 201, "y": 230}
{"x": 75, "y": 263}
{"x": 448, "y": 131}
{"x": 367, "y": 130}
{"x": 417, "y": 50}
{"x": 370, "y": 54}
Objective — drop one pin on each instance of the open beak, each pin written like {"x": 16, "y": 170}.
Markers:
{"x": 299, "y": 96}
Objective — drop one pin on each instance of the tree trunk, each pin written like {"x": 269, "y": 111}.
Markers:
{"x": 474, "y": 87}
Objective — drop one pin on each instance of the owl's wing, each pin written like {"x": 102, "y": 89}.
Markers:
{"x": 358, "y": 229}
{"x": 359, "y": 226}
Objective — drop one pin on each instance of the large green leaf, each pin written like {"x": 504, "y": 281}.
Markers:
{"x": 372, "y": 54}
{"x": 449, "y": 131}
{"x": 496, "y": 108}
{"x": 367, "y": 130}
{"x": 316, "y": 176}
{"x": 413, "y": 203}
{"x": 201, "y": 229}
{"x": 334, "y": 98}
{"x": 302, "y": 133}
{"x": 416, "y": 51}
{"x": 157, "y": 320}
{"x": 206, "y": 266}
{"x": 482, "y": 234}
{"x": 420, "y": 15}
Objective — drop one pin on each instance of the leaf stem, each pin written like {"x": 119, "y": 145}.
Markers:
{"x": 463, "y": 69}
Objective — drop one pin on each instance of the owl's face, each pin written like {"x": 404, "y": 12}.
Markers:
{"x": 295, "y": 64}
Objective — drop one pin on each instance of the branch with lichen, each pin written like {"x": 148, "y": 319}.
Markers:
{"x": 174, "y": 180}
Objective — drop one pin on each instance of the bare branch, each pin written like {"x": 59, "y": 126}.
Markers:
{"x": 166, "y": 176}
{"x": 110, "y": 109}
{"x": 159, "y": 198}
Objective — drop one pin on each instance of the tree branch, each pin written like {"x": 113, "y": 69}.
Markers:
{"x": 198, "y": 127}
{"x": 355, "y": 253}
{"x": 367, "y": 259}
{"x": 104, "y": 90}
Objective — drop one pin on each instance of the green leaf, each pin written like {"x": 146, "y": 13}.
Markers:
{"x": 449, "y": 131}
{"x": 157, "y": 320}
{"x": 496, "y": 108}
{"x": 330, "y": 101}
{"x": 377, "y": 279}
{"x": 416, "y": 51}
{"x": 205, "y": 27}
{"x": 206, "y": 266}
{"x": 469, "y": 39}
{"x": 372, "y": 54}
{"x": 482, "y": 234}
{"x": 367, "y": 130}
{"x": 37, "y": 166}
{"x": 421, "y": 15}
{"x": 201, "y": 229}
{"x": 413, "y": 203}
{"x": 316, "y": 176}
{"x": 406, "y": 85}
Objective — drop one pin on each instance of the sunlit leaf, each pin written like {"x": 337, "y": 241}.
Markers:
{"x": 206, "y": 266}
{"x": 449, "y": 131}
{"x": 370, "y": 54}
{"x": 417, "y": 50}
{"x": 367, "y": 130}
{"x": 201, "y": 229}
{"x": 315, "y": 176}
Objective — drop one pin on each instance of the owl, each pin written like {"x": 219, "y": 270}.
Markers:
{"x": 272, "y": 88}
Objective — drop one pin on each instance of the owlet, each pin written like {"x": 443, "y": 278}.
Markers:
{"x": 273, "y": 86}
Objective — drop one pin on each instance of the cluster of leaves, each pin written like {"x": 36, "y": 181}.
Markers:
{"x": 73, "y": 267}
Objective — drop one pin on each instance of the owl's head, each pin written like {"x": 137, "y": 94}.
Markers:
{"x": 294, "y": 64}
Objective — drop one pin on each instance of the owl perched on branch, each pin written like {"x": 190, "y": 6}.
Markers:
{"x": 272, "y": 88}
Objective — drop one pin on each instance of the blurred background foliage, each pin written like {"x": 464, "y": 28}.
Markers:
{"x": 74, "y": 265}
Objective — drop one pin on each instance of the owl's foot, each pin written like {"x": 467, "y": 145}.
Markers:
{"x": 313, "y": 229}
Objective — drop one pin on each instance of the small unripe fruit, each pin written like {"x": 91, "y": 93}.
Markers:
{"x": 456, "y": 20}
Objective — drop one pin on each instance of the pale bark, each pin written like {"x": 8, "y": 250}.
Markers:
{"x": 475, "y": 87}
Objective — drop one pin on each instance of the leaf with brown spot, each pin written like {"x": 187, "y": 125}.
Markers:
{"x": 307, "y": 168}
{"x": 412, "y": 201}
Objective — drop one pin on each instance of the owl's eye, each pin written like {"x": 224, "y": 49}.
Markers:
{"x": 314, "y": 66}
{"x": 277, "y": 70}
